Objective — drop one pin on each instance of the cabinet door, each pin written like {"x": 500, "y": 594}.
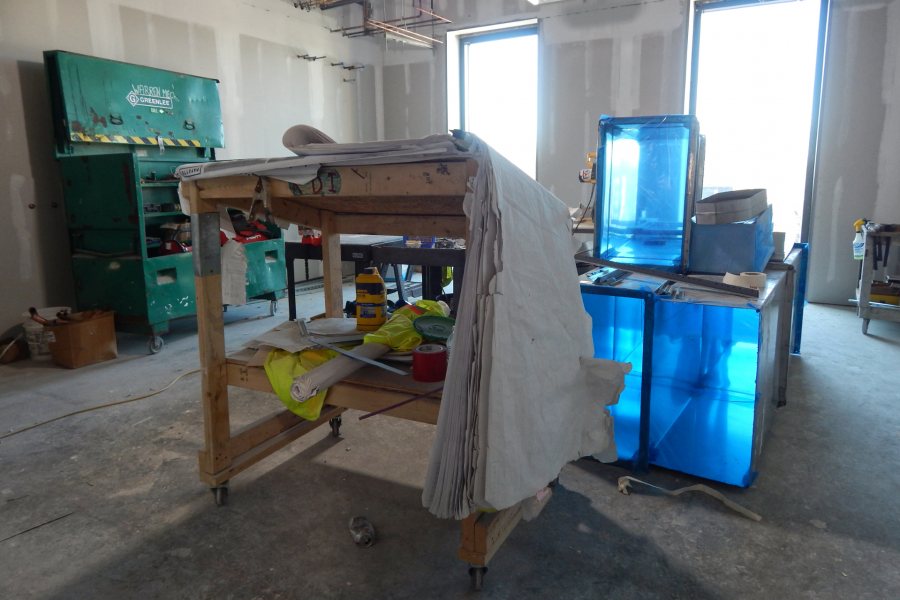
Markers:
{"x": 102, "y": 203}
{"x": 169, "y": 282}
{"x": 265, "y": 267}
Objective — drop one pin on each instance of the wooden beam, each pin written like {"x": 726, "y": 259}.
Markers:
{"x": 443, "y": 226}
{"x": 355, "y": 395}
{"x": 403, "y": 205}
{"x": 273, "y": 444}
{"x": 467, "y": 535}
{"x": 295, "y": 212}
{"x": 447, "y": 178}
{"x": 369, "y": 399}
{"x": 331, "y": 267}
{"x": 483, "y": 534}
{"x": 258, "y": 432}
{"x": 210, "y": 333}
{"x": 249, "y": 378}
{"x": 237, "y": 186}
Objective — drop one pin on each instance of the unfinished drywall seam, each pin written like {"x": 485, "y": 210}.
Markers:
{"x": 379, "y": 103}
{"x": 105, "y": 31}
{"x": 228, "y": 63}
{"x": 624, "y": 58}
{"x": 20, "y": 188}
{"x": 887, "y": 202}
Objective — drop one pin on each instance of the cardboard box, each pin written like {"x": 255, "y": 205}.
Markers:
{"x": 89, "y": 337}
{"x": 730, "y": 207}
{"x": 732, "y": 247}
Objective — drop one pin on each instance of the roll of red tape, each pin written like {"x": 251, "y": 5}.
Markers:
{"x": 430, "y": 362}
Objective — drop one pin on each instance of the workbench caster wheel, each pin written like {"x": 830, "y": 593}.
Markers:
{"x": 476, "y": 574}
{"x": 335, "y": 423}
{"x": 865, "y": 326}
{"x": 155, "y": 344}
{"x": 273, "y": 307}
{"x": 220, "y": 493}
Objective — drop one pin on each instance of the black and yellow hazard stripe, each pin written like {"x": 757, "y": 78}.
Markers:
{"x": 134, "y": 139}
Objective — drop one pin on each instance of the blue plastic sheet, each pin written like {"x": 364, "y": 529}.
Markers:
{"x": 702, "y": 362}
{"x": 645, "y": 189}
{"x": 704, "y": 390}
{"x": 618, "y": 333}
{"x": 732, "y": 247}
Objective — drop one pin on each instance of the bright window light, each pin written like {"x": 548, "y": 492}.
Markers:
{"x": 756, "y": 75}
{"x": 500, "y": 94}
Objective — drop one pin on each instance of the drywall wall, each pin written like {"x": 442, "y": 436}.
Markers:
{"x": 859, "y": 146}
{"x": 626, "y": 57}
{"x": 251, "y": 46}
{"x": 596, "y": 57}
{"x": 620, "y": 57}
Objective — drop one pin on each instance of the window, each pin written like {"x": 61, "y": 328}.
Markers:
{"x": 754, "y": 90}
{"x": 497, "y": 79}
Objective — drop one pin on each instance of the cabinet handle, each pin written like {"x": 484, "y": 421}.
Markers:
{"x": 115, "y": 119}
{"x": 188, "y": 124}
{"x": 166, "y": 276}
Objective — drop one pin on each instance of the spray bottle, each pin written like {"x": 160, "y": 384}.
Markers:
{"x": 859, "y": 242}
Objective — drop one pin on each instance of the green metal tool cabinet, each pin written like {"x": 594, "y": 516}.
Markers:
{"x": 121, "y": 131}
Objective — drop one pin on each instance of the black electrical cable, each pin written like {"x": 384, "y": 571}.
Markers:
{"x": 585, "y": 212}
{"x": 93, "y": 408}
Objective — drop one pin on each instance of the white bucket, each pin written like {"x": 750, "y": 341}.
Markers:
{"x": 37, "y": 338}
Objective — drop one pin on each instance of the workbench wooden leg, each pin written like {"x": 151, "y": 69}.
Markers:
{"x": 482, "y": 534}
{"x": 331, "y": 267}
{"x": 481, "y": 537}
{"x": 216, "y": 455}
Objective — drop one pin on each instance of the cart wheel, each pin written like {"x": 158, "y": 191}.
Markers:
{"x": 273, "y": 307}
{"x": 865, "y": 327}
{"x": 155, "y": 344}
{"x": 476, "y": 574}
{"x": 335, "y": 423}
{"x": 220, "y": 493}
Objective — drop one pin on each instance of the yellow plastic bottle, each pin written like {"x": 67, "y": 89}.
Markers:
{"x": 371, "y": 300}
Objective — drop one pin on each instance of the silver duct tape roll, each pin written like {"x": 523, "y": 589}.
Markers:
{"x": 430, "y": 349}
{"x": 747, "y": 279}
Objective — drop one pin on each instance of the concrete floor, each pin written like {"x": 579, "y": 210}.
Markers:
{"x": 141, "y": 525}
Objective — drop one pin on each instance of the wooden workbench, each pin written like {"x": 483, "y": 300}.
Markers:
{"x": 423, "y": 198}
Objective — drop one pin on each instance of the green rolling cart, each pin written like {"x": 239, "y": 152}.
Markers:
{"x": 121, "y": 130}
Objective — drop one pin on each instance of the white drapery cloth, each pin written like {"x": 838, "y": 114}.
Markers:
{"x": 523, "y": 394}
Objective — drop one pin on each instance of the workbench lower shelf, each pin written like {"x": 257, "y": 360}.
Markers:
{"x": 369, "y": 390}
